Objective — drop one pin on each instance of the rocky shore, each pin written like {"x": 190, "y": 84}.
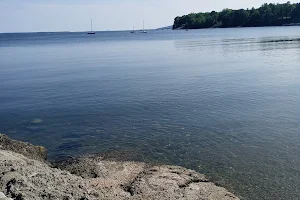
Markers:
{"x": 26, "y": 174}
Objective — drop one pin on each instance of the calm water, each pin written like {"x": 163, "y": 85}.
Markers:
{"x": 225, "y": 102}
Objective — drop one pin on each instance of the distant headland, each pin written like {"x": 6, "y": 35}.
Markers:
{"x": 286, "y": 14}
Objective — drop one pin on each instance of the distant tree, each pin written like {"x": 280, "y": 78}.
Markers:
{"x": 296, "y": 13}
{"x": 254, "y": 18}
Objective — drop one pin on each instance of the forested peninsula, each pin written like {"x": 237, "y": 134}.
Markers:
{"x": 267, "y": 15}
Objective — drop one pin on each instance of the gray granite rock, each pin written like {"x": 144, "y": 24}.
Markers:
{"x": 92, "y": 178}
{"x": 24, "y": 148}
{"x": 3, "y": 197}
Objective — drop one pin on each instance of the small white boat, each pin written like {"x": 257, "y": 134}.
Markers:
{"x": 144, "y": 31}
{"x": 132, "y": 30}
{"x": 91, "y": 32}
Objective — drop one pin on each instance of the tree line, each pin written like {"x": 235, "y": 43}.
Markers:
{"x": 266, "y": 15}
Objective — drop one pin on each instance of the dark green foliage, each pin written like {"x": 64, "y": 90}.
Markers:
{"x": 266, "y": 15}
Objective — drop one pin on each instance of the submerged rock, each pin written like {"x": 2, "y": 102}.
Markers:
{"x": 37, "y": 121}
{"x": 93, "y": 178}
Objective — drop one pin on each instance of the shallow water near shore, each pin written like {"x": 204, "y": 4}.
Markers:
{"x": 224, "y": 102}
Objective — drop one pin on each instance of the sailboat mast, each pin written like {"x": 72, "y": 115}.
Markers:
{"x": 91, "y": 25}
{"x": 143, "y": 25}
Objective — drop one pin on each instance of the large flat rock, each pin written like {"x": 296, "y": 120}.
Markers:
{"x": 24, "y": 178}
{"x": 93, "y": 178}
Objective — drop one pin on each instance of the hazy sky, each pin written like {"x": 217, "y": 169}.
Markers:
{"x": 75, "y": 15}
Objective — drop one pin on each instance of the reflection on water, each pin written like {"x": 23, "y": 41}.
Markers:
{"x": 243, "y": 44}
{"x": 224, "y": 102}
{"x": 284, "y": 39}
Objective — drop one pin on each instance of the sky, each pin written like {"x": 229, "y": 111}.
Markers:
{"x": 75, "y": 15}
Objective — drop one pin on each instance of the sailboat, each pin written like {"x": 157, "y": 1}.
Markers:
{"x": 143, "y": 31}
{"x": 91, "y": 32}
{"x": 132, "y": 30}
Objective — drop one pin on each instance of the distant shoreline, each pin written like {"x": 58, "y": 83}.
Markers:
{"x": 285, "y": 14}
{"x": 285, "y": 25}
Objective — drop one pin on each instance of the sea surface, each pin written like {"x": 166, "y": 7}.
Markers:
{"x": 224, "y": 102}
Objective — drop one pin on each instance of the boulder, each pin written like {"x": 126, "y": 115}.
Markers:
{"x": 24, "y": 148}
